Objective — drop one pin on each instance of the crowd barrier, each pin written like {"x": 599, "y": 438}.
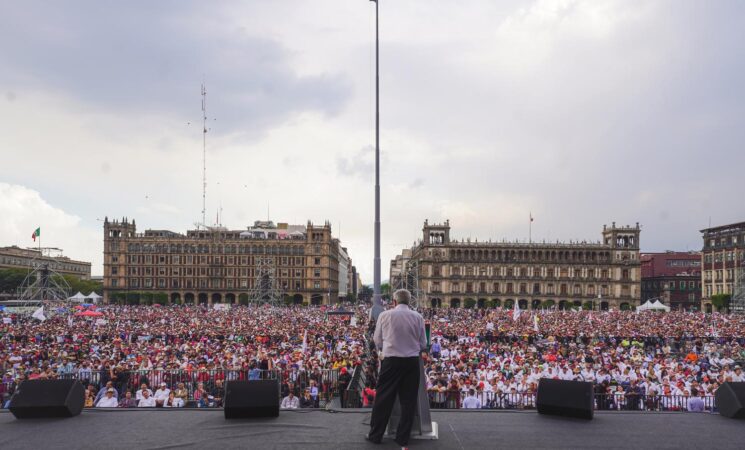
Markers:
{"x": 608, "y": 402}
{"x": 324, "y": 384}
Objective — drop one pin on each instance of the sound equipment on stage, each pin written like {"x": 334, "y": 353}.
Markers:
{"x": 47, "y": 398}
{"x": 244, "y": 399}
{"x": 565, "y": 398}
{"x": 730, "y": 400}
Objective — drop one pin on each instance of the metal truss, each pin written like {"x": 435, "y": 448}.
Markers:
{"x": 266, "y": 288}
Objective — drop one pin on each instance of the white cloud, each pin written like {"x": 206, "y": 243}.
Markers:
{"x": 23, "y": 210}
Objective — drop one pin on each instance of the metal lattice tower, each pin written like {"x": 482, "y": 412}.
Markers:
{"x": 737, "y": 304}
{"x": 43, "y": 284}
{"x": 409, "y": 280}
{"x": 266, "y": 288}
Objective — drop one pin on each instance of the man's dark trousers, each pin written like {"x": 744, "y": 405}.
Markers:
{"x": 397, "y": 376}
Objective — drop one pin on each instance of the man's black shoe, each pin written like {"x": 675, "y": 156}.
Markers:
{"x": 402, "y": 444}
{"x": 371, "y": 439}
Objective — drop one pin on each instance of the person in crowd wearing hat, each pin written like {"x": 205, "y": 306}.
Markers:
{"x": 161, "y": 394}
{"x": 108, "y": 400}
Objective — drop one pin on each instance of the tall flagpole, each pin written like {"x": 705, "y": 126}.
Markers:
{"x": 377, "y": 307}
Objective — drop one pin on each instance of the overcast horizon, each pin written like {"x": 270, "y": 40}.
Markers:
{"x": 580, "y": 112}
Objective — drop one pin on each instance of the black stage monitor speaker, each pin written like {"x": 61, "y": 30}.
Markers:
{"x": 245, "y": 399}
{"x": 47, "y": 398}
{"x": 730, "y": 398}
{"x": 565, "y": 398}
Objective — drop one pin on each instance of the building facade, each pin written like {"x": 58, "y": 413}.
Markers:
{"x": 672, "y": 277}
{"x": 468, "y": 273}
{"x": 723, "y": 262}
{"x": 21, "y": 258}
{"x": 217, "y": 265}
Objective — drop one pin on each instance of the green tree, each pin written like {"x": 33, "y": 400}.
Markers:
{"x": 469, "y": 303}
{"x": 548, "y": 304}
{"x": 366, "y": 293}
{"x": 11, "y": 279}
{"x": 587, "y": 306}
{"x": 721, "y": 301}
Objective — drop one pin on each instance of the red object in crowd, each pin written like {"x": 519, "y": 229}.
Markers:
{"x": 89, "y": 313}
{"x": 79, "y": 307}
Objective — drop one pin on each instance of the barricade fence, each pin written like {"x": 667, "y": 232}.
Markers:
{"x": 191, "y": 386}
{"x": 607, "y": 402}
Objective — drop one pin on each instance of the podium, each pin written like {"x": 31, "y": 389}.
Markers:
{"x": 423, "y": 427}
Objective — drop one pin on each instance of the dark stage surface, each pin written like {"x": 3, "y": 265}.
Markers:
{"x": 162, "y": 429}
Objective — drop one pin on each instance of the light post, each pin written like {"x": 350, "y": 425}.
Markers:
{"x": 377, "y": 307}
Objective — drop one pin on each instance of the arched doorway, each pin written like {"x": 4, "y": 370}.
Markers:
{"x": 297, "y": 299}
{"x": 175, "y": 298}
{"x": 625, "y": 306}
{"x": 604, "y": 306}
{"x": 535, "y": 304}
{"x": 455, "y": 303}
{"x": 563, "y": 305}
{"x": 481, "y": 303}
{"x": 496, "y": 302}
{"x": 316, "y": 299}
{"x": 243, "y": 299}
{"x": 216, "y": 298}
{"x": 203, "y": 298}
{"x": 577, "y": 304}
{"x": 230, "y": 298}
{"x": 509, "y": 303}
{"x": 189, "y": 298}
{"x": 436, "y": 302}
{"x": 522, "y": 304}
{"x": 708, "y": 308}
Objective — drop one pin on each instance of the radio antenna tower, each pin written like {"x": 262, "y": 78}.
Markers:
{"x": 204, "y": 155}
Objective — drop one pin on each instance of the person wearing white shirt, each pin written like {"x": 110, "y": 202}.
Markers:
{"x": 146, "y": 401}
{"x": 290, "y": 402}
{"x": 143, "y": 388}
{"x": 172, "y": 401}
{"x": 161, "y": 395}
{"x": 108, "y": 400}
{"x": 471, "y": 402}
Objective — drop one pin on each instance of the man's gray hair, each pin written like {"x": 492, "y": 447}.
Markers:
{"x": 402, "y": 296}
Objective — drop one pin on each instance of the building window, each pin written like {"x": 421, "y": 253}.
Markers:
{"x": 316, "y": 285}
{"x": 316, "y": 273}
{"x": 114, "y": 283}
{"x": 317, "y": 261}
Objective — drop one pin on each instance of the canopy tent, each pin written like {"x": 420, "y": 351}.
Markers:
{"x": 79, "y": 297}
{"x": 93, "y": 297}
{"x": 652, "y": 306}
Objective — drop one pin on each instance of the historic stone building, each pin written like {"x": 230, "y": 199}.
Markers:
{"x": 216, "y": 265}
{"x": 723, "y": 264}
{"x": 455, "y": 273}
{"x": 672, "y": 277}
{"x": 22, "y": 258}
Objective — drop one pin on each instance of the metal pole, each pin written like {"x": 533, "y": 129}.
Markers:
{"x": 377, "y": 301}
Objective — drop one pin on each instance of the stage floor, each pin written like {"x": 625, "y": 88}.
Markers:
{"x": 162, "y": 429}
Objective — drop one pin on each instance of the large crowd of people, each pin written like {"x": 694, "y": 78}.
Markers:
{"x": 637, "y": 361}
{"x": 175, "y": 356}
{"x": 189, "y": 350}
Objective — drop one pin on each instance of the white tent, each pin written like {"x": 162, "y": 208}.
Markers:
{"x": 79, "y": 297}
{"x": 652, "y": 306}
{"x": 93, "y": 297}
{"x": 658, "y": 305}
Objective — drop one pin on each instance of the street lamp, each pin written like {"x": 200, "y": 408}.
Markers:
{"x": 377, "y": 307}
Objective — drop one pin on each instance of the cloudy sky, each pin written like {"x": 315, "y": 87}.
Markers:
{"x": 583, "y": 112}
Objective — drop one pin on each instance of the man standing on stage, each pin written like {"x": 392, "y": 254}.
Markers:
{"x": 399, "y": 337}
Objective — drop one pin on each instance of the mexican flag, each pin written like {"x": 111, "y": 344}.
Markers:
{"x": 36, "y": 234}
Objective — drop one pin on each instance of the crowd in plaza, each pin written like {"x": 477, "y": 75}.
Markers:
{"x": 181, "y": 355}
{"x": 637, "y": 361}
{"x": 176, "y": 356}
